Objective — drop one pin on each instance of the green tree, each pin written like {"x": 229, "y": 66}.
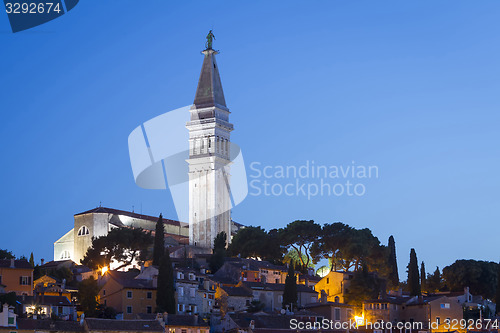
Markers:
{"x": 9, "y": 298}
{"x": 363, "y": 286}
{"x": 255, "y": 306}
{"x": 479, "y": 276}
{"x": 393, "y": 264}
{"x": 413, "y": 275}
{"x": 219, "y": 252}
{"x": 123, "y": 245}
{"x": 5, "y": 254}
{"x": 290, "y": 296}
{"x": 248, "y": 242}
{"x": 300, "y": 235}
{"x": 32, "y": 260}
{"x": 423, "y": 281}
{"x": 497, "y": 296}
{"x": 434, "y": 282}
{"x": 332, "y": 240}
{"x": 165, "y": 292}
{"x": 88, "y": 290}
{"x": 293, "y": 256}
{"x": 159, "y": 244}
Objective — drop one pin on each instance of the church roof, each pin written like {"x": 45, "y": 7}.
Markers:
{"x": 130, "y": 214}
{"x": 209, "y": 92}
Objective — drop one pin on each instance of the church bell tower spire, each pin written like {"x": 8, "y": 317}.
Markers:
{"x": 209, "y": 160}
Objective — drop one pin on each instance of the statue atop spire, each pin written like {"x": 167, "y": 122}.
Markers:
{"x": 210, "y": 39}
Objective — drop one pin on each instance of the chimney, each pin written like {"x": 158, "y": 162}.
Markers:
{"x": 252, "y": 324}
{"x": 42, "y": 261}
{"x": 12, "y": 263}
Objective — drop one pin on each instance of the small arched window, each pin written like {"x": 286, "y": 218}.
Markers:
{"x": 65, "y": 254}
{"x": 83, "y": 231}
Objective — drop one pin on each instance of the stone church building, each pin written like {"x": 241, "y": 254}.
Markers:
{"x": 209, "y": 178}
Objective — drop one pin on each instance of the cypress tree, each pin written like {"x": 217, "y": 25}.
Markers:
{"x": 413, "y": 276}
{"x": 393, "y": 263}
{"x": 32, "y": 260}
{"x": 159, "y": 244}
{"x": 423, "y": 282}
{"x": 165, "y": 292}
{"x": 219, "y": 252}
{"x": 290, "y": 292}
{"x": 497, "y": 296}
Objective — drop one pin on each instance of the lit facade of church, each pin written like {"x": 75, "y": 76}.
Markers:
{"x": 209, "y": 178}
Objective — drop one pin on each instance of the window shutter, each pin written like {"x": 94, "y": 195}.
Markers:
{"x": 20, "y": 280}
{"x": 29, "y": 280}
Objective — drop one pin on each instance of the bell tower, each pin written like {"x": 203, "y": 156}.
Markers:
{"x": 209, "y": 158}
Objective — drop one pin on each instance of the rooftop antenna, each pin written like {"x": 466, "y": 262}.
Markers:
{"x": 132, "y": 208}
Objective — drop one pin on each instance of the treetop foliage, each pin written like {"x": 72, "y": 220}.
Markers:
{"x": 123, "y": 245}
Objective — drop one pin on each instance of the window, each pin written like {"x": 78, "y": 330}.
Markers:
{"x": 149, "y": 309}
{"x": 438, "y": 320}
{"x": 0, "y": 279}
{"x": 83, "y": 231}
{"x": 129, "y": 309}
{"x": 149, "y": 295}
{"x": 129, "y": 294}
{"x": 180, "y": 307}
{"x": 327, "y": 280}
{"x": 183, "y": 330}
{"x": 25, "y": 280}
{"x": 280, "y": 298}
{"x": 192, "y": 292}
{"x": 65, "y": 255}
{"x": 247, "y": 302}
{"x": 180, "y": 291}
{"x": 104, "y": 292}
{"x": 337, "y": 314}
{"x": 445, "y": 305}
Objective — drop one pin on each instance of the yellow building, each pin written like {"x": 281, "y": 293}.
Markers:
{"x": 333, "y": 286}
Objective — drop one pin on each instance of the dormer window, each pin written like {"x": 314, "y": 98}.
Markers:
{"x": 83, "y": 231}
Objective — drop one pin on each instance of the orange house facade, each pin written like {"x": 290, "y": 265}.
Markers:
{"x": 128, "y": 295}
{"x": 16, "y": 276}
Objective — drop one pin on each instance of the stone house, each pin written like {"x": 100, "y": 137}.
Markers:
{"x": 271, "y": 294}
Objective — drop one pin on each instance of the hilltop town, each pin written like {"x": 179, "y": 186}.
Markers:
{"x": 120, "y": 271}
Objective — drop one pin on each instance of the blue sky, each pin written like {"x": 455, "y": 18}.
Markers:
{"x": 411, "y": 87}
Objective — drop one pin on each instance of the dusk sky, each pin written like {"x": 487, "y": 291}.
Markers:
{"x": 411, "y": 87}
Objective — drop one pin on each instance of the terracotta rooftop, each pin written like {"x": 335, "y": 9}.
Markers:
{"x": 48, "y": 325}
{"x": 95, "y": 324}
{"x": 22, "y": 263}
